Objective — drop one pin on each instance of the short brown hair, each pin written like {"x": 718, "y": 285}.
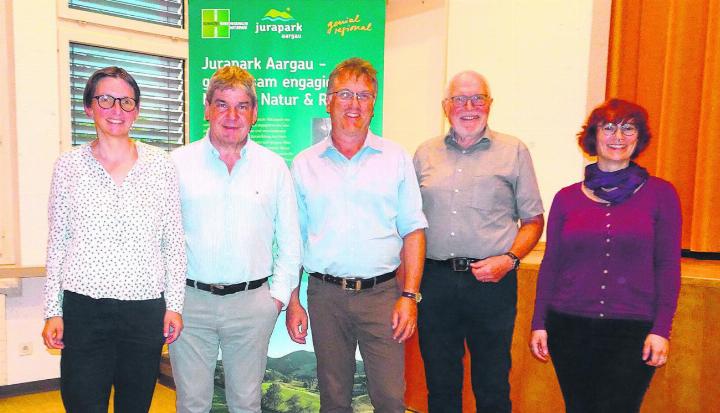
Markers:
{"x": 354, "y": 66}
{"x": 230, "y": 77}
{"x": 616, "y": 111}
{"x": 110, "y": 71}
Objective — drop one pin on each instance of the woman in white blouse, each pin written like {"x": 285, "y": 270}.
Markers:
{"x": 115, "y": 256}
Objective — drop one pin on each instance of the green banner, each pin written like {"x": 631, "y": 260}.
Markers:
{"x": 290, "y": 47}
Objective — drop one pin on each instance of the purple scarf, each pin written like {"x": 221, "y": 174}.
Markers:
{"x": 625, "y": 181}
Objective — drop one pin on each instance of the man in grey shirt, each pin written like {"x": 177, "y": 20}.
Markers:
{"x": 482, "y": 203}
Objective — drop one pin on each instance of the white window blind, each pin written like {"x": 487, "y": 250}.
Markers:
{"x": 161, "y": 81}
{"x": 166, "y": 12}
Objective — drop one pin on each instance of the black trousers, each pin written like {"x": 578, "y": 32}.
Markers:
{"x": 457, "y": 308}
{"x": 109, "y": 343}
{"x": 599, "y": 363}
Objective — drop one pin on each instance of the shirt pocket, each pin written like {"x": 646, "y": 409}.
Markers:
{"x": 484, "y": 188}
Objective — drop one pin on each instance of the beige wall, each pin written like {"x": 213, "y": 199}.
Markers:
{"x": 415, "y": 54}
{"x": 545, "y": 60}
{"x": 538, "y": 56}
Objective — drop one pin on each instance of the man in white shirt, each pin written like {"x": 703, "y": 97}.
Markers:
{"x": 237, "y": 202}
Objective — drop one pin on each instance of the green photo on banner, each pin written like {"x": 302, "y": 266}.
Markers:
{"x": 290, "y": 47}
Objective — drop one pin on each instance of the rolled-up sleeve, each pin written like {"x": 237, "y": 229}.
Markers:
{"x": 410, "y": 213}
{"x": 287, "y": 259}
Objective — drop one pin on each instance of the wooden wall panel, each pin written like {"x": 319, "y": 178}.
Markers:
{"x": 688, "y": 383}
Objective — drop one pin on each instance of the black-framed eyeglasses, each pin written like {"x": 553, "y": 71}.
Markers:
{"x": 127, "y": 104}
{"x": 348, "y": 95}
{"x": 627, "y": 129}
{"x": 475, "y": 100}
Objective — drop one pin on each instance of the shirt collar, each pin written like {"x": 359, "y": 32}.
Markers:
{"x": 211, "y": 151}
{"x": 142, "y": 152}
{"x": 372, "y": 141}
{"x": 482, "y": 143}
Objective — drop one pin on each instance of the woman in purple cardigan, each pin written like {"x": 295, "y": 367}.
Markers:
{"x": 609, "y": 281}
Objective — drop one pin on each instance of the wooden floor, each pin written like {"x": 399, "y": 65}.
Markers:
{"x": 49, "y": 402}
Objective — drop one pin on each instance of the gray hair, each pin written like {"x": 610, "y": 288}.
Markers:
{"x": 473, "y": 73}
{"x": 230, "y": 77}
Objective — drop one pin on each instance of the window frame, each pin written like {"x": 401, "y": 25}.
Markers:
{"x": 96, "y": 29}
{"x": 182, "y": 26}
{"x": 9, "y": 214}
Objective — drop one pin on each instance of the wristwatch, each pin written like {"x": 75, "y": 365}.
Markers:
{"x": 415, "y": 296}
{"x": 515, "y": 260}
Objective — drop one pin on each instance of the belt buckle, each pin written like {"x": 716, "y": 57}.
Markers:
{"x": 460, "y": 264}
{"x": 217, "y": 287}
{"x": 351, "y": 284}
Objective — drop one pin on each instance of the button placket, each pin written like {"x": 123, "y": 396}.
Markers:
{"x": 607, "y": 225}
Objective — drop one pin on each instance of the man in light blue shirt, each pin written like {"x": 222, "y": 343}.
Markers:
{"x": 361, "y": 218}
{"x": 241, "y": 227}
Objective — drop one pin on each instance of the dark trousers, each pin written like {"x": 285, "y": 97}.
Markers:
{"x": 599, "y": 363}
{"x": 457, "y": 308}
{"x": 109, "y": 343}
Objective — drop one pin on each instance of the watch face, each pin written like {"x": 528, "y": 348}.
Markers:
{"x": 418, "y": 297}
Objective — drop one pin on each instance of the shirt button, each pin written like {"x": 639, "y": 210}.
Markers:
{"x": 602, "y": 315}
{"x": 459, "y": 169}
{"x": 607, "y": 239}
{"x": 602, "y": 287}
{"x": 607, "y": 254}
{"x": 464, "y": 151}
{"x": 607, "y": 226}
{"x": 605, "y": 271}
{"x": 454, "y": 212}
{"x": 607, "y": 214}
{"x": 452, "y": 233}
{"x": 456, "y": 190}
{"x": 602, "y": 301}
{"x": 452, "y": 254}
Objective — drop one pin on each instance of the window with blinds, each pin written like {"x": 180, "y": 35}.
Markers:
{"x": 166, "y": 12}
{"x": 161, "y": 80}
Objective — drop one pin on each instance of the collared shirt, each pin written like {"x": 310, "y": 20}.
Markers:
{"x": 355, "y": 212}
{"x": 239, "y": 226}
{"x": 474, "y": 197}
{"x": 115, "y": 241}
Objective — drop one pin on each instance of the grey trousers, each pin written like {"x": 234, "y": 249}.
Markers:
{"x": 340, "y": 321}
{"x": 240, "y": 324}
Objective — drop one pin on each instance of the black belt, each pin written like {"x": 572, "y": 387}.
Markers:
{"x": 225, "y": 289}
{"x": 458, "y": 264}
{"x": 354, "y": 283}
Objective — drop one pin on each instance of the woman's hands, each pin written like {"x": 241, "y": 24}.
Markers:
{"x": 655, "y": 350}
{"x": 52, "y": 333}
{"x": 538, "y": 345}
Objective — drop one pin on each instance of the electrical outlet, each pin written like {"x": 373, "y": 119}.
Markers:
{"x": 25, "y": 349}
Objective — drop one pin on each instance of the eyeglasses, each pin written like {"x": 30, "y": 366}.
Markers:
{"x": 127, "y": 104}
{"x": 347, "y": 95}
{"x": 627, "y": 129}
{"x": 475, "y": 100}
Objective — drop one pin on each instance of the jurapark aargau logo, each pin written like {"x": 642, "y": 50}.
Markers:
{"x": 280, "y": 22}
{"x": 216, "y": 24}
